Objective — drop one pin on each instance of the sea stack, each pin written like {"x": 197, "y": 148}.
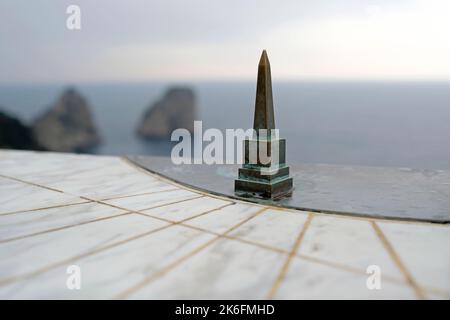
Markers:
{"x": 16, "y": 135}
{"x": 175, "y": 110}
{"x": 68, "y": 126}
{"x": 264, "y": 173}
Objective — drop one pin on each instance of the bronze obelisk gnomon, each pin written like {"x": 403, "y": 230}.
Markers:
{"x": 264, "y": 173}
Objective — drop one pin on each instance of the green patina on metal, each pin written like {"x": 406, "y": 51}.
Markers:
{"x": 264, "y": 173}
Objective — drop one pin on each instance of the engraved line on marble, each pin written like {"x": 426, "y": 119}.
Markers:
{"x": 327, "y": 263}
{"x": 45, "y": 208}
{"x": 358, "y": 218}
{"x": 254, "y": 243}
{"x": 347, "y": 268}
{"x": 180, "y": 185}
{"x": 169, "y": 181}
{"x": 163, "y": 271}
{"x": 155, "y": 175}
{"x": 82, "y": 197}
{"x": 301, "y": 256}
{"x": 287, "y": 263}
{"x": 63, "y": 227}
{"x": 396, "y": 258}
{"x": 156, "y": 217}
{"x": 215, "y": 196}
{"x": 65, "y": 262}
{"x": 7, "y": 281}
{"x": 341, "y": 214}
{"x": 139, "y": 194}
{"x": 264, "y": 246}
{"x": 164, "y": 205}
{"x": 189, "y": 218}
{"x": 344, "y": 215}
{"x": 139, "y": 211}
{"x": 283, "y": 251}
{"x": 31, "y": 183}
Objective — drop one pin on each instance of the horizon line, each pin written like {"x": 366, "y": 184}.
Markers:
{"x": 66, "y": 83}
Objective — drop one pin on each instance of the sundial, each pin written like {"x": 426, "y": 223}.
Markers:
{"x": 382, "y": 192}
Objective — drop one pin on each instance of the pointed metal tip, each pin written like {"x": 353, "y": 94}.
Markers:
{"x": 264, "y": 118}
{"x": 264, "y": 58}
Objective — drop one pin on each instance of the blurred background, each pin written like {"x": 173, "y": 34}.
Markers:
{"x": 355, "y": 82}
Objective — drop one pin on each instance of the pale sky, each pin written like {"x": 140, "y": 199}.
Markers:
{"x": 140, "y": 40}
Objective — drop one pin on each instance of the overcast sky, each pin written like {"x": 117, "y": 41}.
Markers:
{"x": 137, "y": 40}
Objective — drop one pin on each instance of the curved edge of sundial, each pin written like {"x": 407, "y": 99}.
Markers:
{"x": 162, "y": 167}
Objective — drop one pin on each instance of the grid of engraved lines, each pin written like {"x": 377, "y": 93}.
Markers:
{"x": 140, "y": 236}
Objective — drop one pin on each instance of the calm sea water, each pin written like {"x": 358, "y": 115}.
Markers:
{"x": 367, "y": 123}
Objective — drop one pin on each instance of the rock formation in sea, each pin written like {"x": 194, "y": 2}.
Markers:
{"x": 175, "y": 110}
{"x": 16, "y": 135}
{"x": 68, "y": 125}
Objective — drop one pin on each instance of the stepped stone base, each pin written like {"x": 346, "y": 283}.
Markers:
{"x": 265, "y": 190}
{"x": 268, "y": 179}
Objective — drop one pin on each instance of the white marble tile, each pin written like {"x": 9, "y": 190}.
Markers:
{"x": 437, "y": 296}
{"x": 81, "y": 175}
{"x": 221, "y": 220}
{"x": 32, "y": 222}
{"x": 275, "y": 228}
{"x": 227, "y": 269}
{"x": 48, "y": 167}
{"x": 156, "y": 187}
{"x": 110, "y": 182}
{"x": 110, "y": 272}
{"x": 148, "y": 201}
{"x": 349, "y": 242}
{"x": 308, "y": 280}
{"x": 31, "y": 254}
{"x": 187, "y": 209}
{"x": 18, "y": 196}
{"x": 424, "y": 249}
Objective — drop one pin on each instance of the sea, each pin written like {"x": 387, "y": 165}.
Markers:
{"x": 396, "y": 124}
